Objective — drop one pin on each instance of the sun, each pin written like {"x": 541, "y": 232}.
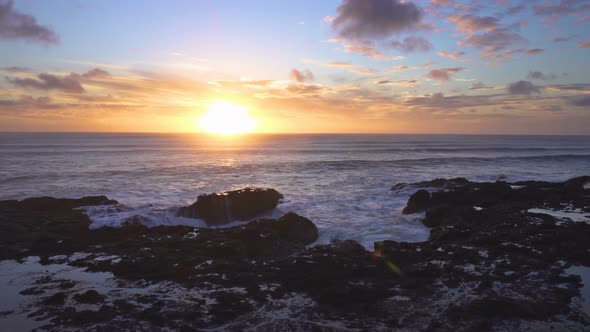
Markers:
{"x": 227, "y": 119}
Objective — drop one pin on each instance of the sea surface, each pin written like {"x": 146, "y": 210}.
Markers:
{"x": 341, "y": 182}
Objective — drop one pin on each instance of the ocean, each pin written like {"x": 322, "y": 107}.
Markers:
{"x": 341, "y": 182}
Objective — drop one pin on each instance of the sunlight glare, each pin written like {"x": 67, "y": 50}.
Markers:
{"x": 227, "y": 119}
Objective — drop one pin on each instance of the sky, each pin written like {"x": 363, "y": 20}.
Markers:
{"x": 330, "y": 66}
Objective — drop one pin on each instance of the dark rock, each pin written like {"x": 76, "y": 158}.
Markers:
{"x": 50, "y": 203}
{"x": 489, "y": 264}
{"x": 219, "y": 209}
{"x": 89, "y": 297}
{"x": 419, "y": 201}
{"x": 32, "y": 291}
{"x": 56, "y": 299}
{"x": 294, "y": 227}
{"x": 448, "y": 215}
{"x": 45, "y": 226}
{"x": 436, "y": 183}
{"x": 346, "y": 247}
{"x": 135, "y": 221}
{"x": 577, "y": 185}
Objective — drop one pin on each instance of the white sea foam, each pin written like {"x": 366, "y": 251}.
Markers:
{"x": 576, "y": 215}
{"x": 148, "y": 215}
{"x": 584, "y": 273}
{"x": 340, "y": 182}
{"x": 16, "y": 277}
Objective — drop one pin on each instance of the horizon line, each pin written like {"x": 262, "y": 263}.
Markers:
{"x": 280, "y": 133}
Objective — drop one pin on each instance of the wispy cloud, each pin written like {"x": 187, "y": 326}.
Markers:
{"x": 537, "y": 75}
{"x": 402, "y": 83}
{"x": 19, "y": 26}
{"x": 533, "y": 51}
{"x": 67, "y": 83}
{"x": 443, "y": 74}
{"x": 455, "y": 55}
{"x": 522, "y": 88}
{"x": 301, "y": 76}
{"x": 411, "y": 44}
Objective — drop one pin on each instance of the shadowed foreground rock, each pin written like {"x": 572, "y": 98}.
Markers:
{"x": 219, "y": 209}
{"x": 489, "y": 265}
{"x": 419, "y": 201}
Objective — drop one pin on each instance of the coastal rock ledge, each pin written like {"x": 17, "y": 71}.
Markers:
{"x": 221, "y": 208}
{"x": 501, "y": 257}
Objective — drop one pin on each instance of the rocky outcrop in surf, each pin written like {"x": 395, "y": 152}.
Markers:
{"x": 221, "y": 208}
{"x": 500, "y": 257}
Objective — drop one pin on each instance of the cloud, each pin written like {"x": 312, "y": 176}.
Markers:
{"x": 301, "y": 76}
{"x": 494, "y": 42}
{"x": 338, "y": 64}
{"x": 443, "y": 3}
{"x": 328, "y": 19}
{"x": 443, "y": 74}
{"x": 581, "y": 101}
{"x": 403, "y": 83}
{"x": 19, "y": 26}
{"x": 534, "y": 51}
{"x": 455, "y": 55}
{"x": 582, "y": 87}
{"x": 364, "y": 48}
{"x": 69, "y": 83}
{"x": 537, "y": 75}
{"x": 412, "y": 44}
{"x": 306, "y": 89}
{"x": 584, "y": 44}
{"x": 523, "y": 88}
{"x": 479, "y": 86}
{"x": 244, "y": 83}
{"x": 375, "y": 19}
{"x": 470, "y": 24}
{"x": 515, "y": 9}
{"x": 345, "y": 65}
{"x": 15, "y": 69}
{"x": 563, "y": 7}
{"x": 361, "y": 71}
{"x": 96, "y": 73}
{"x": 466, "y": 8}
{"x": 439, "y": 102}
{"x": 402, "y": 68}
{"x": 26, "y": 101}
{"x": 562, "y": 39}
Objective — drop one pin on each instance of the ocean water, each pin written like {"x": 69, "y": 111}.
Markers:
{"x": 341, "y": 182}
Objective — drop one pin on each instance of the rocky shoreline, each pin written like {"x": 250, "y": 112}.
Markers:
{"x": 497, "y": 259}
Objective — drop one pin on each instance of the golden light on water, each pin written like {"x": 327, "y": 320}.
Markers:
{"x": 224, "y": 118}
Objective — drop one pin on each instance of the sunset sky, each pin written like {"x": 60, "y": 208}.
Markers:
{"x": 345, "y": 66}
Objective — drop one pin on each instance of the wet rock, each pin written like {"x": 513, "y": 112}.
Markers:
{"x": 488, "y": 265}
{"x": 219, "y": 209}
{"x": 419, "y": 201}
{"x": 136, "y": 221}
{"x": 50, "y": 203}
{"x": 294, "y": 227}
{"x": 32, "y": 291}
{"x": 449, "y": 215}
{"x": 577, "y": 185}
{"x": 89, "y": 297}
{"x": 347, "y": 248}
{"x": 45, "y": 226}
{"x": 56, "y": 299}
{"x": 436, "y": 183}
{"x": 6, "y": 313}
